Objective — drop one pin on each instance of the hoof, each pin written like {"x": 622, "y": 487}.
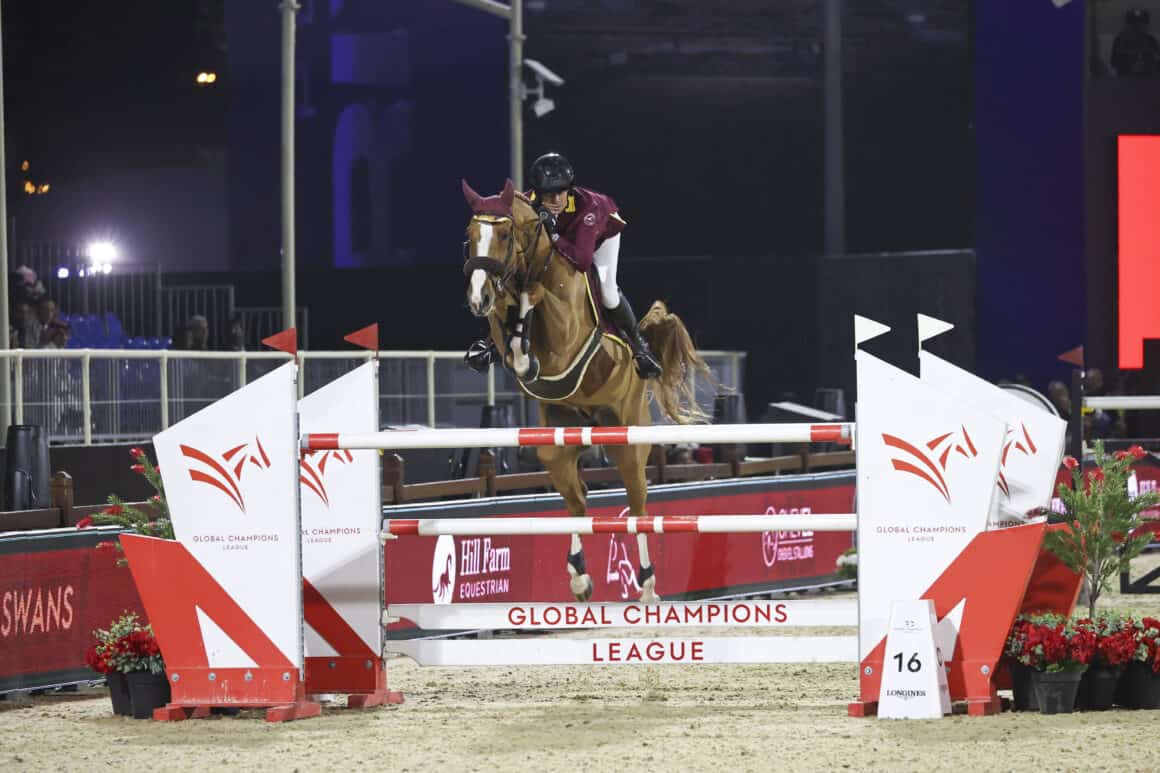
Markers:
{"x": 581, "y": 586}
{"x": 648, "y": 593}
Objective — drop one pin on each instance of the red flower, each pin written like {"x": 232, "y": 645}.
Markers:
{"x": 1116, "y": 649}
{"x": 138, "y": 468}
{"x": 136, "y": 453}
{"x": 85, "y": 522}
{"x": 1121, "y": 455}
{"x": 1117, "y": 537}
{"x": 156, "y": 497}
{"x": 1137, "y": 452}
{"x": 97, "y": 660}
{"x": 1070, "y": 463}
{"x": 106, "y": 545}
{"x": 1098, "y": 474}
{"x": 113, "y": 510}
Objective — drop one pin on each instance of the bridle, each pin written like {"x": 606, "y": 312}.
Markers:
{"x": 505, "y": 271}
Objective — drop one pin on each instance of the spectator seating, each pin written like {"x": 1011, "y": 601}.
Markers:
{"x": 90, "y": 331}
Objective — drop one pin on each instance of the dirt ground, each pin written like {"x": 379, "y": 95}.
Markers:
{"x": 775, "y": 717}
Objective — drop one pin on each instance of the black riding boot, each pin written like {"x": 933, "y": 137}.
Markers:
{"x": 481, "y": 355}
{"x": 623, "y": 317}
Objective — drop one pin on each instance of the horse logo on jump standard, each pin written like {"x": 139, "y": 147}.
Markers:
{"x": 312, "y": 470}
{"x": 224, "y": 472}
{"x": 620, "y": 570}
{"x": 931, "y": 466}
{"x": 443, "y": 570}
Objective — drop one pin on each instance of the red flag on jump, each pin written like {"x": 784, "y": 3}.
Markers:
{"x": 367, "y": 338}
{"x": 286, "y": 341}
{"x": 1073, "y": 356}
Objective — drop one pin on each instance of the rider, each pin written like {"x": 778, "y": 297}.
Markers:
{"x": 585, "y": 227}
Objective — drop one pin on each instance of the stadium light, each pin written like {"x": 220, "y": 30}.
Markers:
{"x": 102, "y": 252}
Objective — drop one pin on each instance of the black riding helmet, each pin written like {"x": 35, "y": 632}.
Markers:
{"x": 551, "y": 173}
{"x": 1137, "y": 17}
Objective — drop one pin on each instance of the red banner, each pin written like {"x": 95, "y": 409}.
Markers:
{"x": 55, "y": 588}
{"x": 532, "y": 568}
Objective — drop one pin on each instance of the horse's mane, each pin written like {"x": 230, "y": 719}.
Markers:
{"x": 521, "y": 198}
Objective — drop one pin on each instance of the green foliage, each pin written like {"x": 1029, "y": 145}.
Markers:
{"x": 1102, "y": 535}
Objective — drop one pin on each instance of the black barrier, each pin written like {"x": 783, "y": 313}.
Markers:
{"x": 26, "y": 468}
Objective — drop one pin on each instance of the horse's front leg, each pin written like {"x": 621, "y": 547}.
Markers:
{"x": 524, "y": 362}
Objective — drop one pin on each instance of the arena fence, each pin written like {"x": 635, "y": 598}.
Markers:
{"x": 117, "y": 395}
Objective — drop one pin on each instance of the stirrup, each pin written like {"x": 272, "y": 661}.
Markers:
{"x": 647, "y": 366}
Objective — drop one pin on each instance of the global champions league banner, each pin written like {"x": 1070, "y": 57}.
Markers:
{"x": 532, "y": 568}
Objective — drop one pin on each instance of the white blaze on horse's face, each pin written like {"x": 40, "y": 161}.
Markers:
{"x": 475, "y": 293}
{"x": 480, "y": 297}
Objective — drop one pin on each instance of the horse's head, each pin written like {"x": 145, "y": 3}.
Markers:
{"x": 493, "y": 261}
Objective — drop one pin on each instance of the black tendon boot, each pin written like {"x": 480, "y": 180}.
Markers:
{"x": 623, "y": 317}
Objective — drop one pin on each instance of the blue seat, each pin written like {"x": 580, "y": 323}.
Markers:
{"x": 114, "y": 331}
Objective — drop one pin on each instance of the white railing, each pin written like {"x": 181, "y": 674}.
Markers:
{"x": 120, "y": 395}
{"x": 1123, "y": 403}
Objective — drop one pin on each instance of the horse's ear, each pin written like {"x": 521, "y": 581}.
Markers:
{"x": 509, "y": 193}
{"x": 473, "y": 198}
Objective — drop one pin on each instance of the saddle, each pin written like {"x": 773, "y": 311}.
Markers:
{"x": 565, "y": 384}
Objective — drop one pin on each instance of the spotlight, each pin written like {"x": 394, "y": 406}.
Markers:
{"x": 102, "y": 252}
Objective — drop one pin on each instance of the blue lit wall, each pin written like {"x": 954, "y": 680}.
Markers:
{"x": 1029, "y": 227}
{"x": 396, "y": 102}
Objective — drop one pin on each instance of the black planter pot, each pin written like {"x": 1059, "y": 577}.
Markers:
{"x": 1056, "y": 690}
{"x": 1022, "y": 689}
{"x": 119, "y": 693}
{"x": 1139, "y": 687}
{"x": 1097, "y": 689}
{"x": 148, "y": 691}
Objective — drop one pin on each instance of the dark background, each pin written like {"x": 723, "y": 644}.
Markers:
{"x": 974, "y": 139}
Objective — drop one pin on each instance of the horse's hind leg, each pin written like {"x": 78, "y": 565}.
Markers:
{"x": 562, "y": 465}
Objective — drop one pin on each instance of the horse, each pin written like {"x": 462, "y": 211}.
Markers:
{"x": 544, "y": 319}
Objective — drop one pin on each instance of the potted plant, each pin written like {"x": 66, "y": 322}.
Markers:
{"x": 1140, "y": 683}
{"x": 145, "y": 672}
{"x": 104, "y": 657}
{"x": 127, "y": 653}
{"x": 1103, "y": 535}
{"x": 1018, "y": 659}
{"x": 1057, "y": 652}
{"x": 1115, "y": 647}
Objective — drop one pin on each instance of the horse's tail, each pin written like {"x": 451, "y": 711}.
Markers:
{"x": 674, "y": 391}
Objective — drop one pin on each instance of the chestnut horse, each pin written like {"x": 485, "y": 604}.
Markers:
{"x": 544, "y": 320}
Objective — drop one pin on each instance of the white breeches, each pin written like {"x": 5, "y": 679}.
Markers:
{"x": 605, "y": 258}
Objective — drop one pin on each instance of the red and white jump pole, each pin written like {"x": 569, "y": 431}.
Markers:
{"x": 399, "y": 439}
{"x": 662, "y": 524}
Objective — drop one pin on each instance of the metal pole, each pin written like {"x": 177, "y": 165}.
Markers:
{"x": 5, "y": 380}
{"x": 516, "y": 90}
{"x": 1075, "y": 421}
{"x": 87, "y": 398}
{"x": 489, "y": 6}
{"x": 835, "y": 180}
{"x": 289, "y": 302}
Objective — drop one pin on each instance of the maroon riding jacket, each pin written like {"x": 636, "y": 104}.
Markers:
{"x": 587, "y": 220}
